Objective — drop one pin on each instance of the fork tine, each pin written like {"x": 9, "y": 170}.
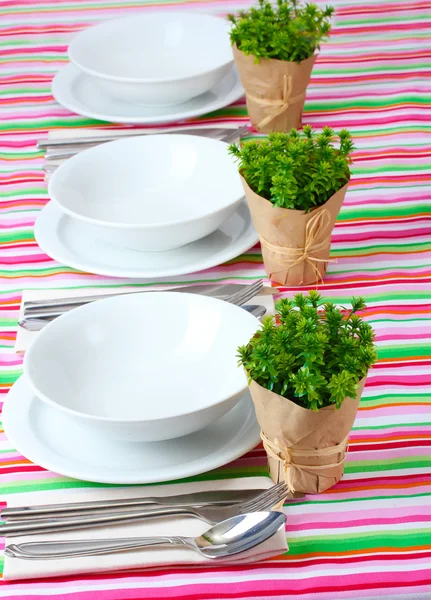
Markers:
{"x": 234, "y": 134}
{"x": 263, "y": 493}
{"x": 246, "y": 294}
{"x": 240, "y": 293}
{"x": 251, "y": 286}
{"x": 268, "y": 493}
{"x": 271, "y": 499}
{"x": 271, "y": 502}
{"x": 258, "y": 285}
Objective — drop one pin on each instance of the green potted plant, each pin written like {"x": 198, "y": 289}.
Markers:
{"x": 306, "y": 370}
{"x": 295, "y": 185}
{"x": 274, "y": 50}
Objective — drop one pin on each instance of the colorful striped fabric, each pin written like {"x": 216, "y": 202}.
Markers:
{"x": 370, "y": 536}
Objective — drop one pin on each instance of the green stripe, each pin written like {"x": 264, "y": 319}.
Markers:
{"x": 387, "y": 101}
{"x": 404, "y": 351}
{"x": 391, "y": 426}
{"x": 357, "y": 541}
{"x": 373, "y": 466}
{"x": 64, "y": 483}
{"x": 399, "y": 248}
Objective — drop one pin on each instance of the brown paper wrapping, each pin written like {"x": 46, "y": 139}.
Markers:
{"x": 275, "y": 90}
{"x": 295, "y": 244}
{"x": 294, "y": 428}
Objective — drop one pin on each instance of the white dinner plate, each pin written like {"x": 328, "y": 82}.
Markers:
{"x": 81, "y": 94}
{"x": 55, "y": 441}
{"x": 69, "y": 242}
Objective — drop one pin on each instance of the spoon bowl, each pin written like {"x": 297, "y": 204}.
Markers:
{"x": 232, "y": 536}
{"x": 239, "y": 533}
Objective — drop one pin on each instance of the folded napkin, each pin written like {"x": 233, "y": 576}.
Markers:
{"x": 25, "y": 337}
{"x": 15, "y": 568}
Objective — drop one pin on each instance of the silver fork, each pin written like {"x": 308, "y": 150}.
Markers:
{"x": 37, "y": 323}
{"x": 210, "y": 514}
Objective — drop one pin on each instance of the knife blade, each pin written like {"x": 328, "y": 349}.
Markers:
{"x": 212, "y": 497}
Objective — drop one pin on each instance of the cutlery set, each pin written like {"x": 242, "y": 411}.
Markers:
{"x": 91, "y": 138}
{"x": 36, "y": 314}
{"x": 38, "y": 323}
{"x": 58, "y": 150}
{"x": 238, "y": 524}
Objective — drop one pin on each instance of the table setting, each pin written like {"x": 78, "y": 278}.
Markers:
{"x": 214, "y": 269}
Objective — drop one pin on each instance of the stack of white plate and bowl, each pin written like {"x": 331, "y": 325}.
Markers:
{"x": 136, "y": 388}
{"x": 152, "y": 67}
{"x": 149, "y": 206}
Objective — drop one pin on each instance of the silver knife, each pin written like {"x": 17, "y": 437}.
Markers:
{"x": 213, "y": 498}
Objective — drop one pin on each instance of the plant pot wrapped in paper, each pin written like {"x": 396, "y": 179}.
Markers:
{"x": 295, "y": 244}
{"x": 295, "y": 187}
{"x": 274, "y": 51}
{"x": 305, "y": 448}
{"x": 274, "y": 90}
{"x": 306, "y": 376}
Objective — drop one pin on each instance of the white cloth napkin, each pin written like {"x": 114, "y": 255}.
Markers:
{"x": 15, "y": 568}
{"x": 25, "y": 337}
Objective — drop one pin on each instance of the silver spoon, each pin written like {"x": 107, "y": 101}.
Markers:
{"x": 228, "y": 537}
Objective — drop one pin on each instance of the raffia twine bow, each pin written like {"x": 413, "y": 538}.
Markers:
{"x": 314, "y": 231}
{"x": 288, "y": 457}
{"x": 280, "y": 106}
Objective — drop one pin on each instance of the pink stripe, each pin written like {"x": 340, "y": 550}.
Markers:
{"x": 388, "y": 455}
{"x": 296, "y": 522}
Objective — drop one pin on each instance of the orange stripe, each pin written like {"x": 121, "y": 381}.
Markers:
{"x": 383, "y": 549}
{"x": 378, "y": 486}
{"x": 393, "y": 405}
{"x": 377, "y": 218}
{"x": 394, "y": 438}
{"x": 9, "y": 463}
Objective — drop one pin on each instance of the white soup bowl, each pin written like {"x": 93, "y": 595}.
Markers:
{"x": 143, "y": 367}
{"x": 155, "y": 58}
{"x": 149, "y": 193}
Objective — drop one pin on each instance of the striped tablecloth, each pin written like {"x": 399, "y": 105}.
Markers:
{"x": 370, "y": 536}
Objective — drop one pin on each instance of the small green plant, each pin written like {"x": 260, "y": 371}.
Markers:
{"x": 287, "y": 31}
{"x": 296, "y": 171}
{"x": 315, "y": 355}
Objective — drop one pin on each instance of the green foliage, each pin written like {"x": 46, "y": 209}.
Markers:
{"x": 315, "y": 355}
{"x": 287, "y": 31}
{"x": 293, "y": 170}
